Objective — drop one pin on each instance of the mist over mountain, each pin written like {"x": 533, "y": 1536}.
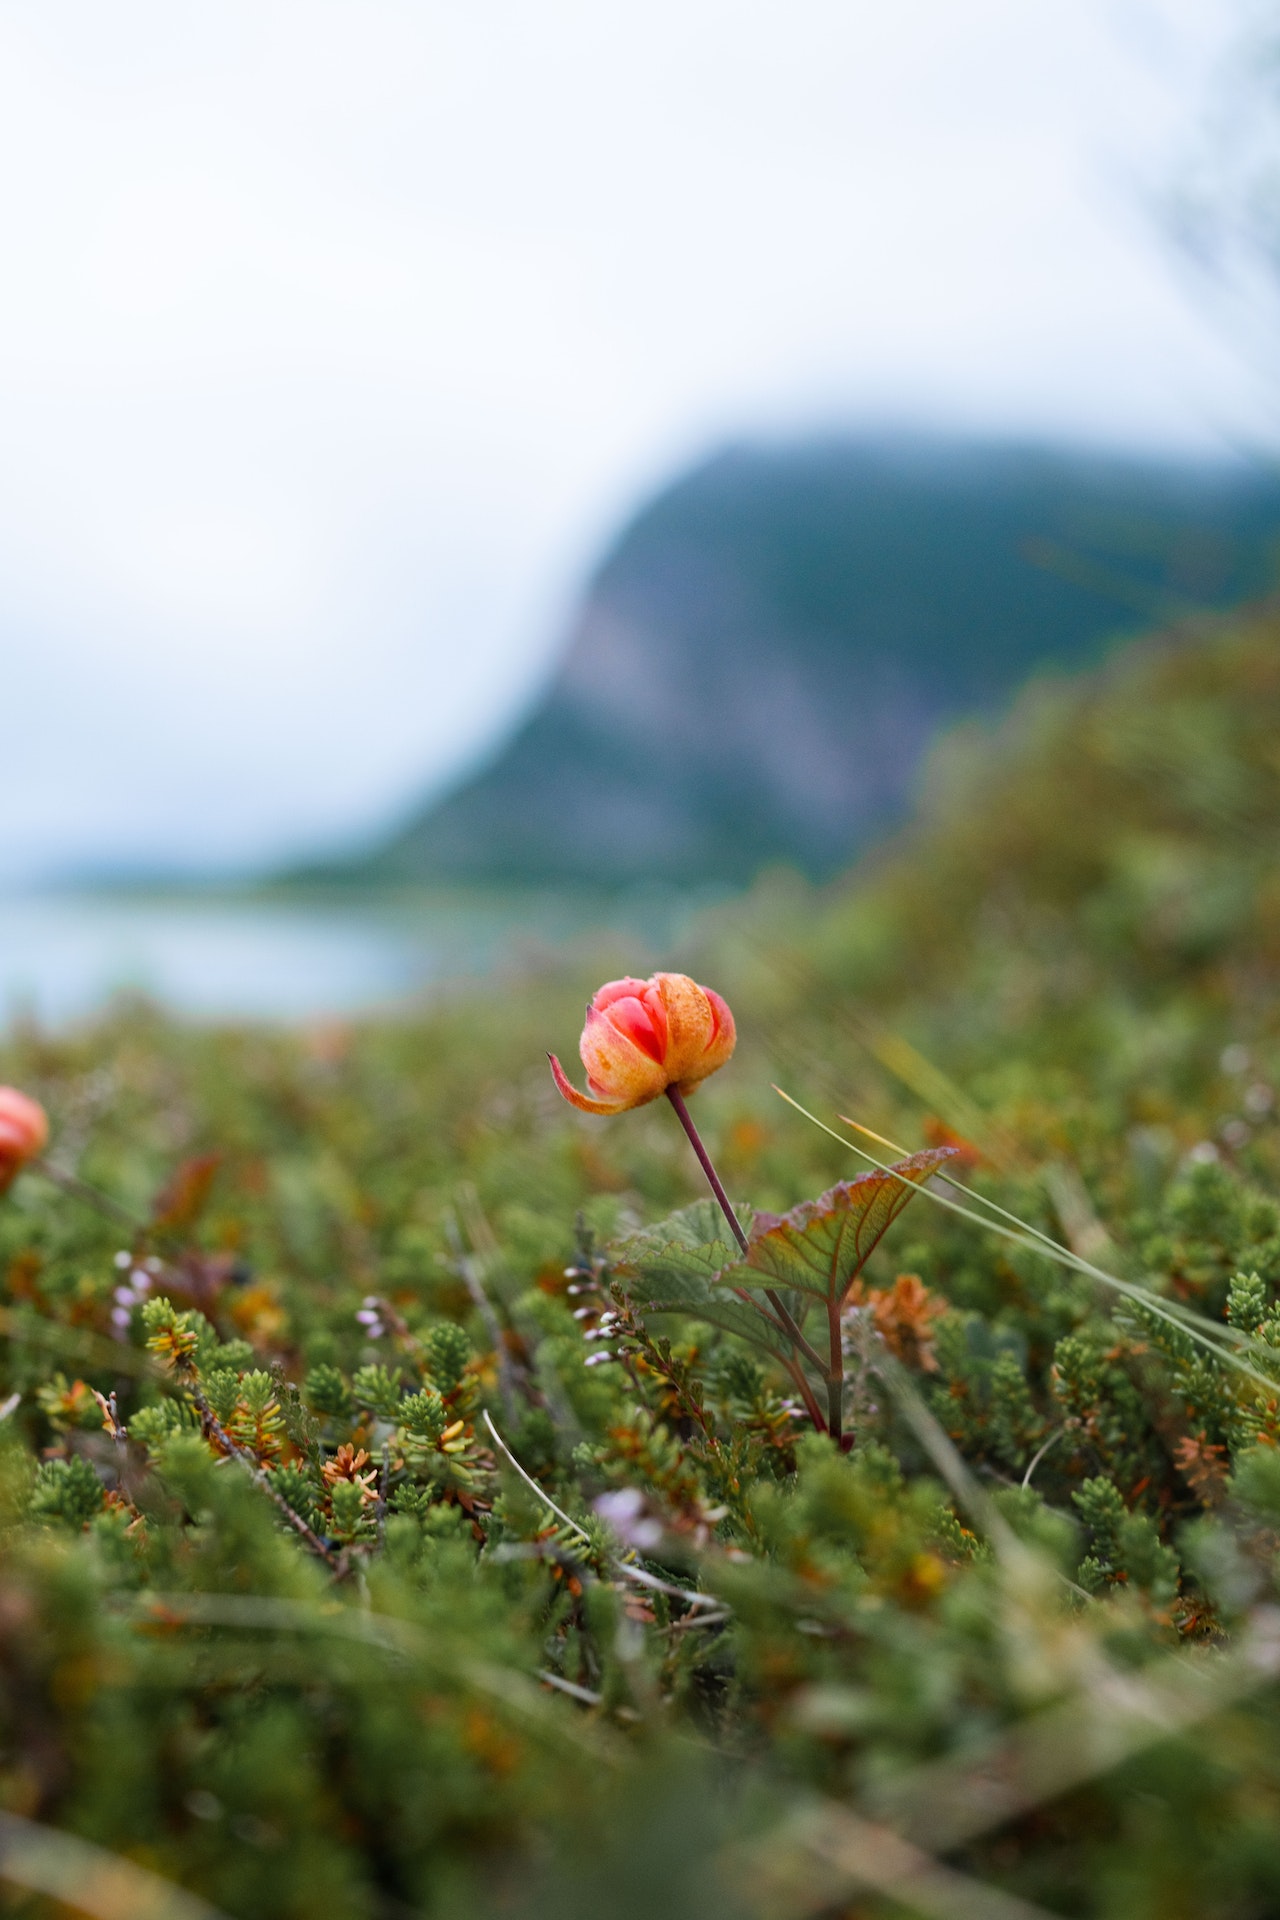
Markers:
{"x": 765, "y": 654}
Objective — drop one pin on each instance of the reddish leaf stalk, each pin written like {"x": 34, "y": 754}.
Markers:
{"x": 833, "y": 1376}
{"x": 811, "y": 1406}
{"x": 784, "y": 1324}
{"x": 835, "y": 1373}
{"x": 792, "y": 1330}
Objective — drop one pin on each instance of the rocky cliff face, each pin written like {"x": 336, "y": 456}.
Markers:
{"x": 763, "y": 658}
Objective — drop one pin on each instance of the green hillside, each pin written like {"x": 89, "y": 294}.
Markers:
{"x": 1011, "y": 1651}
{"x": 762, "y": 660}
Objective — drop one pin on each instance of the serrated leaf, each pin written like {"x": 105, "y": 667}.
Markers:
{"x": 700, "y": 1226}
{"x": 671, "y": 1268}
{"x": 821, "y": 1246}
{"x": 687, "y": 1293}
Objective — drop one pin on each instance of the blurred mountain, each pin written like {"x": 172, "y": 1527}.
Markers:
{"x": 765, "y": 654}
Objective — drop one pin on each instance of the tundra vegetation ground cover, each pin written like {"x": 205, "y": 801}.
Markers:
{"x": 379, "y": 1538}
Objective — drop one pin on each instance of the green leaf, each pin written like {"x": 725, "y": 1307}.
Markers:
{"x": 697, "y": 1229}
{"x": 821, "y": 1246}
{"x": 672, "y": 1268}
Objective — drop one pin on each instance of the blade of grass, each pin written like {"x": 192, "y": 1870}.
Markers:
{"x": 624, "y": 1567}
{"x": 1217, "y": 1338}
{"x": 1193, "y": 1324}
{"x": 532, "y": 1484}
{"x": 88, "y": 1878}
{"x": 948, "y": 1802}
{"x": 78, "y": 1343}
{"x": 1051, "y": 1246}
{"x": 824, "y": 1849}
{"x": 1219, "y": 1341}
{"x": 386, "y": 1633}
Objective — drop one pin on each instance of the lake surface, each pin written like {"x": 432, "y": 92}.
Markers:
{"x": 63, "y": 956}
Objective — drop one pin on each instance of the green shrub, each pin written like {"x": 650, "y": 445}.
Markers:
{"x": 290, "y": 1628}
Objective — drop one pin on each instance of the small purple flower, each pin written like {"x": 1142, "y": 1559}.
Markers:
{"x": 625, "y": 1513}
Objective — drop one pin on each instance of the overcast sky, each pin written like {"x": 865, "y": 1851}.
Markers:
{"x": 335, "y": 340}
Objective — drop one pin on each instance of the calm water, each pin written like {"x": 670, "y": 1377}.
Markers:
{"x": 62, "y": 956}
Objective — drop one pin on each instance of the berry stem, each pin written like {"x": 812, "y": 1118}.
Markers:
{"x": 832, "y": 1377}
{"x": 704, "y": 1160}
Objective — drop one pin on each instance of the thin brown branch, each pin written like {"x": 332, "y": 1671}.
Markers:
{"x": 253, "y": 1466}
{"x": 111, "y": 1421}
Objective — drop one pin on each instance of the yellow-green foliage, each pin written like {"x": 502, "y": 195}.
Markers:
{"x": 282, "y": 1622}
